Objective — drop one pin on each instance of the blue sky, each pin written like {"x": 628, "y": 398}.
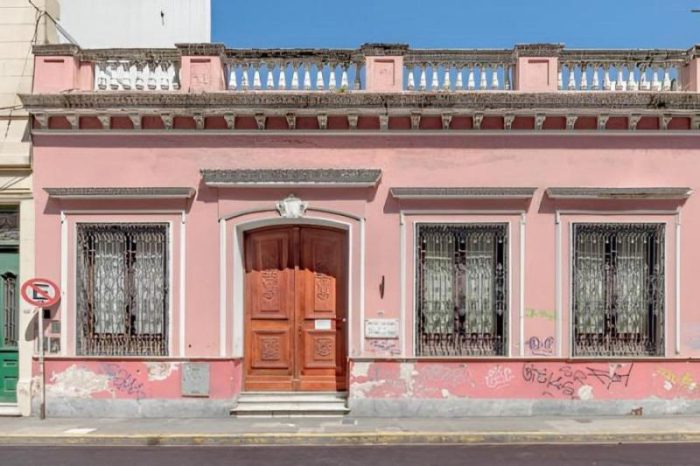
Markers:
{"x": 455, "y": 23}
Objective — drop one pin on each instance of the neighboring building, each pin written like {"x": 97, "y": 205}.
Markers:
{"x": 427, "y": 232}
{"x": 21, "y": 26}
{"x": 136, "y": 23}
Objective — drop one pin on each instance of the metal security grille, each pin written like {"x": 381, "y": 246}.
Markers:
{"x": 462, "y": 290}
{"x": 618, "y": 289}
{"x": 11, "y": 312}
{"x": 122, "y": 289}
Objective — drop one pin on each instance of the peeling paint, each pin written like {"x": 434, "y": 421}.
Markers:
{"x": 160, "y": 370}
{"x": 78, "y": 382}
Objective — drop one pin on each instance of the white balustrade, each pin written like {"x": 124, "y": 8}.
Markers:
{"x": 128, "y": 75}
{"x": 453, "y": 78}
{"x": 307, "y": 76}
{"x": 623, "y": 76}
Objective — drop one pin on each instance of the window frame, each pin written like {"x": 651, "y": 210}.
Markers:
{"x": 168, "y": 284}
{"x": 664, "y": 334}
{"x": 508, "y": 300}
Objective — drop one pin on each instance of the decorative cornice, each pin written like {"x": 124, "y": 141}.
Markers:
{"x": 202, "y": 49}
{"x": 278, "y": 178}
{"x": 380, "y": 49}
{"x": 619, "y": 193}
{"x": 537, "y": 50}
{"x": 283, "y": 102}
{"x": 121, "y": 193}
{"x": 55, "y": 50}
{"x": 462, "y": 193}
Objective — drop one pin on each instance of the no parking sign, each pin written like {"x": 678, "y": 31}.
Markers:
{"x": 40, "y": 292}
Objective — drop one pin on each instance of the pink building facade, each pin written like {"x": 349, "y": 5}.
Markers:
{"x": 416, "y": 232}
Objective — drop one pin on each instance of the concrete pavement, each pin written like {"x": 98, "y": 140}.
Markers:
{"x": 348, "y": 430}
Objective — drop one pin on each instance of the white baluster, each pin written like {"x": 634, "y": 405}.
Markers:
{"x": 494, "y": 78}
{"x": 113, "y": 71}
{"x": 560, "y": 79}
{"x": 139, "y": 81}
{"x": 282, "y": 78}
{"x": 331, "y": 77}
{"x": 571, "y": 85}
{"x": 257, "y": 84}
{"x": 125, "y": 76}
{"x": 607, "y": 84}
{"x": 152, "y": 82}
{"x": 320, "y": 85}
{"x": 446, "y": 81}
{"x": 434, "y": 82}
{"x": 307, "y": 77}
{"x": 270, "y": 84}
{"x": 482, "y": 78}
{"x": 631, "y": 81}
{"x": 644, "y": 83}
{"x": 459, "y": 81}
{"x": 101, "y": 81}
{"x": 595, "y": 85}
{"x": 620, "y": 82}
{"x": 411, "y": 83}
{"x": 422, "y": 85}
{"x": 506, "y": 77}
{"x": 655, "y": 83}
{"x": 172, "y": 77}
{"x": 344, "y": 78}
{"x": 583, "y": 85}
{"x": 667, "y": 79}
{"x": 232, "y": 84}
{"x": 471, "y": 82}
{"x": 245, "y": 85}
{"x": 295, "y": 77}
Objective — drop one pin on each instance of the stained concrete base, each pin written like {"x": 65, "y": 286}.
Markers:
{"x": 107, "y": 408}
{"x": 366, "y": 407}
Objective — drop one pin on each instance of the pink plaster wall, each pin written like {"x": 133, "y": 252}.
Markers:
{"x": 542, "y": 161}
{"x": 567, "y": 380}
{"x": 134, "y": 378}
{"x": 384, "y": 74}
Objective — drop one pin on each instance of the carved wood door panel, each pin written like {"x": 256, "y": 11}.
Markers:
{"x": 295, "y": 309}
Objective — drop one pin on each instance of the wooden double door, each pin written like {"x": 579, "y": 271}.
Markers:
{"x": 295, "y": 309}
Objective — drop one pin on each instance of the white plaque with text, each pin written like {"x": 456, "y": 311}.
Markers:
{"x": 382, "y": 328}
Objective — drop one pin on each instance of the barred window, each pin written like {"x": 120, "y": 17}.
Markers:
{"x": 122, "y": 289}
{"x": 462, "y": 290}
{"x": 618, "y": 289}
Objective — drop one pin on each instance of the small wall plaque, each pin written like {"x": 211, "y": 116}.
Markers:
{"x": 322, "y": 324}
{"x": 382, "y": 328}
{"x": 195, "y": 379}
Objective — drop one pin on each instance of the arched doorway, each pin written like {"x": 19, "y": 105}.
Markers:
{"x": 295, "y": 309}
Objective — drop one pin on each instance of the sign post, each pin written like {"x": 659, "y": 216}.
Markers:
{"x": 41, "y": 293}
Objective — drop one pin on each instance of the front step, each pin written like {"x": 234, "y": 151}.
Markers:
{"x": 290, "y": 404}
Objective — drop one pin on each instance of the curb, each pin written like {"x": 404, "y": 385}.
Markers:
{"x": 339, "y": 439}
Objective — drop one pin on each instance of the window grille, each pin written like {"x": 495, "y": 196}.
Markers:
{"x": 122, "y": 289}
{"x": 11, "y": 312}
{"x": 462, "y": 290}
{"x": 618, "y": 289}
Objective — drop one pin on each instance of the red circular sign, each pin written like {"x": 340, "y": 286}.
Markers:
{"x": 40, "y": 292}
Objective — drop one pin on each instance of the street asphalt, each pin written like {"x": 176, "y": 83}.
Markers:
{"x": 395, "y": 455}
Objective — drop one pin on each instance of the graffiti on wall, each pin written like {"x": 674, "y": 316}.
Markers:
{"x": 499, "y": 377}
{"x": 541, "y": 346}
{"x": 123, "y": 380}
{"x": 546, "y": 314}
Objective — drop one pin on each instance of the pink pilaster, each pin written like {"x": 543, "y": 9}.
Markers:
{"x": 202, "y": 69}
{"x": 536, "y": 67}
{"x": 384, "y": 67}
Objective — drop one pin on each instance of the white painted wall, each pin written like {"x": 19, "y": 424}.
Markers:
{"x": 136, "y": 23}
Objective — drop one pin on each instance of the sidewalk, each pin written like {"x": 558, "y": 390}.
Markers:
{"x": 345, "y": 431}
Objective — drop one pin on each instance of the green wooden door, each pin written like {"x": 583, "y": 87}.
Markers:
{"x": 9, "y": 323}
